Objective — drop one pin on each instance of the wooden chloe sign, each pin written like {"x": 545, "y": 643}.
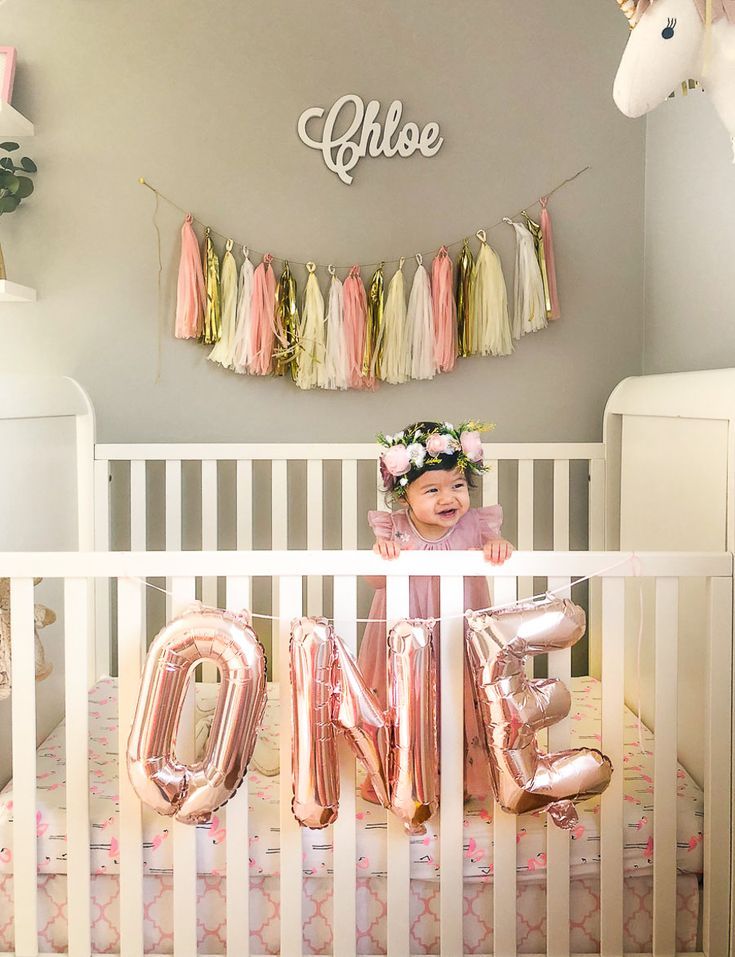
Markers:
{"x": 365, "y": 134}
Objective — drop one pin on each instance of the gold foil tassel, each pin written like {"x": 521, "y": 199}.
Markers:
{"x": 374, "y": 332}
{"x": 213, "y": 310}
{"x": 538, "y": 241}
{"x": 465, "y": 269}
{"x": 287, "y": 324}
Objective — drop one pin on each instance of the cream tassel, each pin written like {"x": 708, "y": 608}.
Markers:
{"x": 421, "y": 324}
{"x": 336, "y": 363}
{"x": 396, "y": 347}
{"x": 529, "y": 307}
{"x": 224, "y": 349}
{"x": 490, "y": 303}
{"x": 244, "y": 328}
{"x": 310, "y": 356}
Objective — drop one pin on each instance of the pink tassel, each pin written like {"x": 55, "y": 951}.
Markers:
{"x": 263, "y": 317}
{"x": 190, "y": 292}
{"x": 355, "y": 320}
{"x": 445, "y": 311}
{"x": 548, "y": 237}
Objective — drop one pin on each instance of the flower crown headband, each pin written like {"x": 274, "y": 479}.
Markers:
{"x": 415, "y": 448}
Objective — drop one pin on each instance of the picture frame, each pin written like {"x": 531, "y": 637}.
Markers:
{"x": 7, "y": 73}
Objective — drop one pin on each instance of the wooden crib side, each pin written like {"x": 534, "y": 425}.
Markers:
{"x": 559, "y": 569}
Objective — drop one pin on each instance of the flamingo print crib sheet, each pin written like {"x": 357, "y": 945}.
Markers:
{"x": 263, "y": 783}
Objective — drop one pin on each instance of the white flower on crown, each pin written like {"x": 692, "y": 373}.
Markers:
{"x": 404, "y": 481}
{"x": 417, "y": 453}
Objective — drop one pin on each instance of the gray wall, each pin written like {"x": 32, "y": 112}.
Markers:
{"x": 202, "y": 98}
{"x": 690, "y": 237}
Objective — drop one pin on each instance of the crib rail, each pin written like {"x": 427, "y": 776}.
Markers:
{"x": 560, "y": 570}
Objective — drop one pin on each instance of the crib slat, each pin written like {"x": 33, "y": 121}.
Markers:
{"x": 452, "y": 753}
{"x": 349, "y": 504}
{"x": 557, "y": 840}
{"x": 244, "y": 484}
{"x": 596, "y": 542}
{"x": 399, "y": 862}
{"x": 23, "y": 705}
{"x": 504, "y": 841}
{"x": 138, "y": 498}
{"x": 279, "y": 539}
{"x": 525, "y": 526}
{"x": 717, "y": 769}
{"x": 130, "y": 643}
{"x": 209, "y": 544}
{"x": 561, "y": 505}
{"x": 611, "y": 837}
{"x": 314, "y": 531}
{"x": 490, "y": 482}
{"x": 665, "y": 767}
{"x": 289, "y": 608}
{"x": 345, "y": 829}
{"x": 76, "y": 630}
{"x": 101, "y": 663}
{"x": 173, "y": 516}
{"x": 379, "y": 500}
{"x": 185, "y": 848}
{"x": 236, "y": 816}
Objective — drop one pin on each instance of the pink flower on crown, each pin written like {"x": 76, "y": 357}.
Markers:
{"x": 471, "y": 445}
{"x": 437, "y": 444}
{"x": 397, "y": 460}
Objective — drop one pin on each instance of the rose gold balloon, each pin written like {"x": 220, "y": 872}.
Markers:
{"x": 192, "y": 793}
{"x": 513, "y": 708}
{"x": 414, "y": 775}
{"x": 314, "y": 756}
{"x": 357, "y": 712}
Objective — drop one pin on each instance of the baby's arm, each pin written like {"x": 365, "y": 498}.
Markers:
{"x": 387, "y": 548}
{"x": 498, "y": 551}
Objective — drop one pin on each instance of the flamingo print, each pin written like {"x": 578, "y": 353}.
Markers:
{"x": 217, "y": 833}
{"x": 537, "y": 863}
{"x": 473, "y": 853}
{"x": 6, "y": 855}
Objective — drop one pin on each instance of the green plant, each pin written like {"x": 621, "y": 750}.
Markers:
{"x": 15, "y": 186}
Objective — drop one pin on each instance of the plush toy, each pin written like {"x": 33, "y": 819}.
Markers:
{"x": 672, "y": 42}
{"x": 42, "y": 616}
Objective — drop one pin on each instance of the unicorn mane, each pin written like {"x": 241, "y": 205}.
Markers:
{"x": 720, "y": 9}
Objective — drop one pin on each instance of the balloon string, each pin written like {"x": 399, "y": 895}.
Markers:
{"x": 472, "y": 611}
{"x": 295, "y": 262}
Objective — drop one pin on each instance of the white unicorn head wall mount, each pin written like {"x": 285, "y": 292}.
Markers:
{"x": 672, "y": 42}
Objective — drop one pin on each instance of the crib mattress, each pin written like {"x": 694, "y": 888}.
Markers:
{"x": 264, "y": 906}
{"x": 263, "y": 855}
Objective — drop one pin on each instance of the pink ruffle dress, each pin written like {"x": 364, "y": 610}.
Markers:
{"x": 477, "y": 527}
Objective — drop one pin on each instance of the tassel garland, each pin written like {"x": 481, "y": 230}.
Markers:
{"x": 490, "y": 321}
{"x": 529, "y": 307}
{"x": 445, "y": 312}
{"x": 396, "y": 353}
{"x": 311, "y": 354}
{"x": 212, "y": 311}
{"x": 421, "y": 324}
{"x": 355, "y": 319}
{"x": 465, "y": 274}
{"x": 374, "y": 327}
{"x": 263, "y": 319}
{"x": 337, "y": 360}
{"x": 287, "y": 323}
{"x": 364, "y": 336}
{"x": 244, "y": 327}
{"x": 553, "y": 310}
{"x": 190, "y": 292}
{"x": 224, "y": 350}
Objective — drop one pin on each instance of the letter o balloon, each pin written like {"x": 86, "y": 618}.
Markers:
{"x": 190, "y": 793}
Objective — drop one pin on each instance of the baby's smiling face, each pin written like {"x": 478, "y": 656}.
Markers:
{"x": 437, "y": 500}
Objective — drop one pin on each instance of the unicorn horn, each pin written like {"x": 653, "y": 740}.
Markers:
{"x": 629, "y": 8}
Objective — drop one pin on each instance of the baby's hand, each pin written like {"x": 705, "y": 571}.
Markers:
{"x": 387, "y": 548}
{"x": 498, "y": 551}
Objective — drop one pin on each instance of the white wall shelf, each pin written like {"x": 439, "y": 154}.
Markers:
{"x": 12, "y": 292}
{"x": 13, "y": 123}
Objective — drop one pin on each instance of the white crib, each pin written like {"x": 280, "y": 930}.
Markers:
{"x": 247, "y": 496}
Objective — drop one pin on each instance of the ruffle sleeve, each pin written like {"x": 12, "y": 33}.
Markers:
{"x": 382, "y": 524}
{"x": 490, "y": 519}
